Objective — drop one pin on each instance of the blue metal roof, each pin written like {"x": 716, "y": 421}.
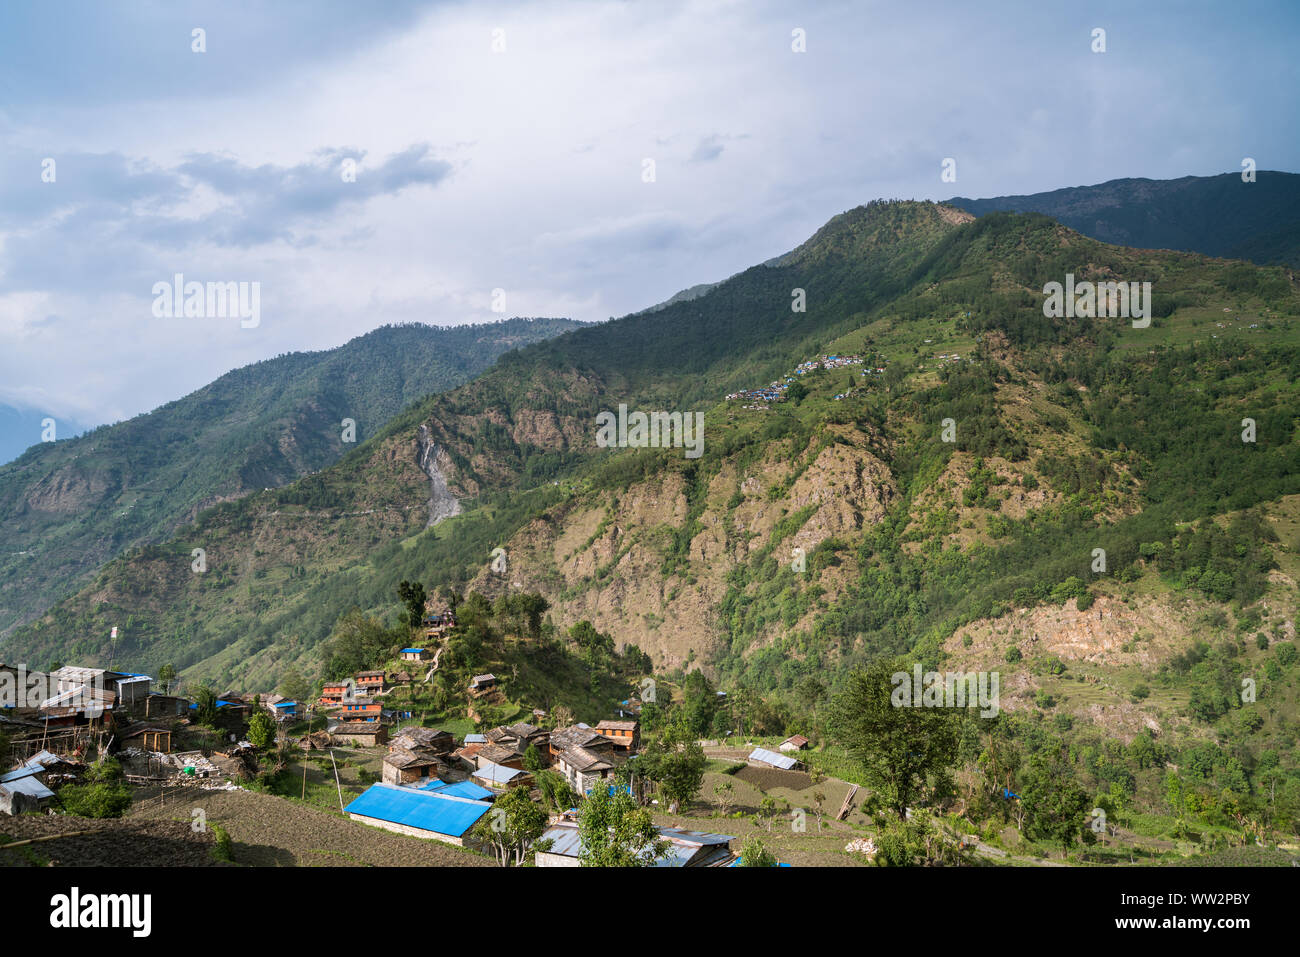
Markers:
{"x": 464, "y": 789}
{"x": 28, "y": 785}
{"x": 429, "y": 811}
{"x": 406, "y": 650}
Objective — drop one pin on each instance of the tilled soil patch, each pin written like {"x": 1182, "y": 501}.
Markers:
{"x": 123, "y": 842}
{"x": 767, "y": 778}
{"x": 270, "y": 831}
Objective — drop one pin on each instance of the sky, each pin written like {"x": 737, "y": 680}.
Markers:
{"x": 501, "y": 155}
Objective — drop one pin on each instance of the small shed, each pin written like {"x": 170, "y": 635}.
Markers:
{"x": 149, "y": 738}
{"x": 771, "y": 759}
{"x": 796, "y": 742}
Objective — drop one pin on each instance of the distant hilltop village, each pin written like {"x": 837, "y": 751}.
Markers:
{"x": 759, "y": 399}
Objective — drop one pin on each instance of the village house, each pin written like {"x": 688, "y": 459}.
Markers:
{"x": 584, "y": 769}
{"x": 439, "y": 624}
{"x": 365, "y": 734}
{"x": 359, "y": 710}
{"x": 369, "y": 682}
{"x": 498, "y": 777}
{"x": 481, "y": 684}
{"x": 577, "y": 736}
{"x": 333, "y": 693}
{"x": 466, "y": 757}
{"x": 418, "y": 813}
{"x": 130, "y": 690}
{"x": 625, "y": 734}
{"x": 23, "y": 690}
{"x": 165, "y": 706}
{"x": 686, "y": 848}
{"x": 403, "y": 766}
{"x": 514, "y": 740}
{"x": 796, "y": 742}
{"x": 428, "y": 739}
{"x": 495, "y": 754}
{"x": 416, "y": 654}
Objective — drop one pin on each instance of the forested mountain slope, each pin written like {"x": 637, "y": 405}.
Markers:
{"x": 66, "y": 507}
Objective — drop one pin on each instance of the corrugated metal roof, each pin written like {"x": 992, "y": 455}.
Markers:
{"x": 782, "y": 761}
{"x": 564, "y": 840}
{"x": 694, "y": 837}
{"x": 464, "y": 789}
{"x": 25, "y": 771}
{"x": 28, "y": 785}
{"x": 497, "y": 773}
{"x": 685, "y": 845}
{"x": 476, "y": 739}
{"x": 429, "y": 811}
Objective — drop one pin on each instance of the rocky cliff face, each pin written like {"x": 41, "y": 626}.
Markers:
{"x": 433, "y": 461}
{"x": 603, "y": 557}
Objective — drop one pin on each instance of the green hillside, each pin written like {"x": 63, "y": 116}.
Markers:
{"x": 69, "y": 506}
{"x": 944, "y": 502}
{"x": 1216, "y": 215}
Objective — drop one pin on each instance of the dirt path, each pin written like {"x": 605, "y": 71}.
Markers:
{"x": 436, "y": 655}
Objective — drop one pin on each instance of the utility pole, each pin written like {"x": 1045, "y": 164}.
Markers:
{"x": 336, "y": 779}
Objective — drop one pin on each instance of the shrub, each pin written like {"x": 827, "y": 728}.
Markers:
{"x": 224, "y": 849}
{"x": 99, "y": 800}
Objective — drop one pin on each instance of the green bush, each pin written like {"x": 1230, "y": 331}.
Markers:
{"x": 224, "y": 849}
{"x": 97, "y": 800}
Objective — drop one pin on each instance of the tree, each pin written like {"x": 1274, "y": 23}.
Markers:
{"x": 724, "y": 793}
{"x": 615, "y": 832}
{"x": 261, "y": 729}
{"x": 295, "y": 687}
{"x": 511, "y": 827}
{"x": 167, "y": 674}
{"x": 205, "y": 700}
{"x": 555, "y": 790}
{"x": 675, "y": 762}
{"x": 753, "y": 853}
{"x": 1055, "y": 804}
{"x": 906, "y": 752}
{"x": 413, "y": 596}
{"x": 533, "y": 759}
